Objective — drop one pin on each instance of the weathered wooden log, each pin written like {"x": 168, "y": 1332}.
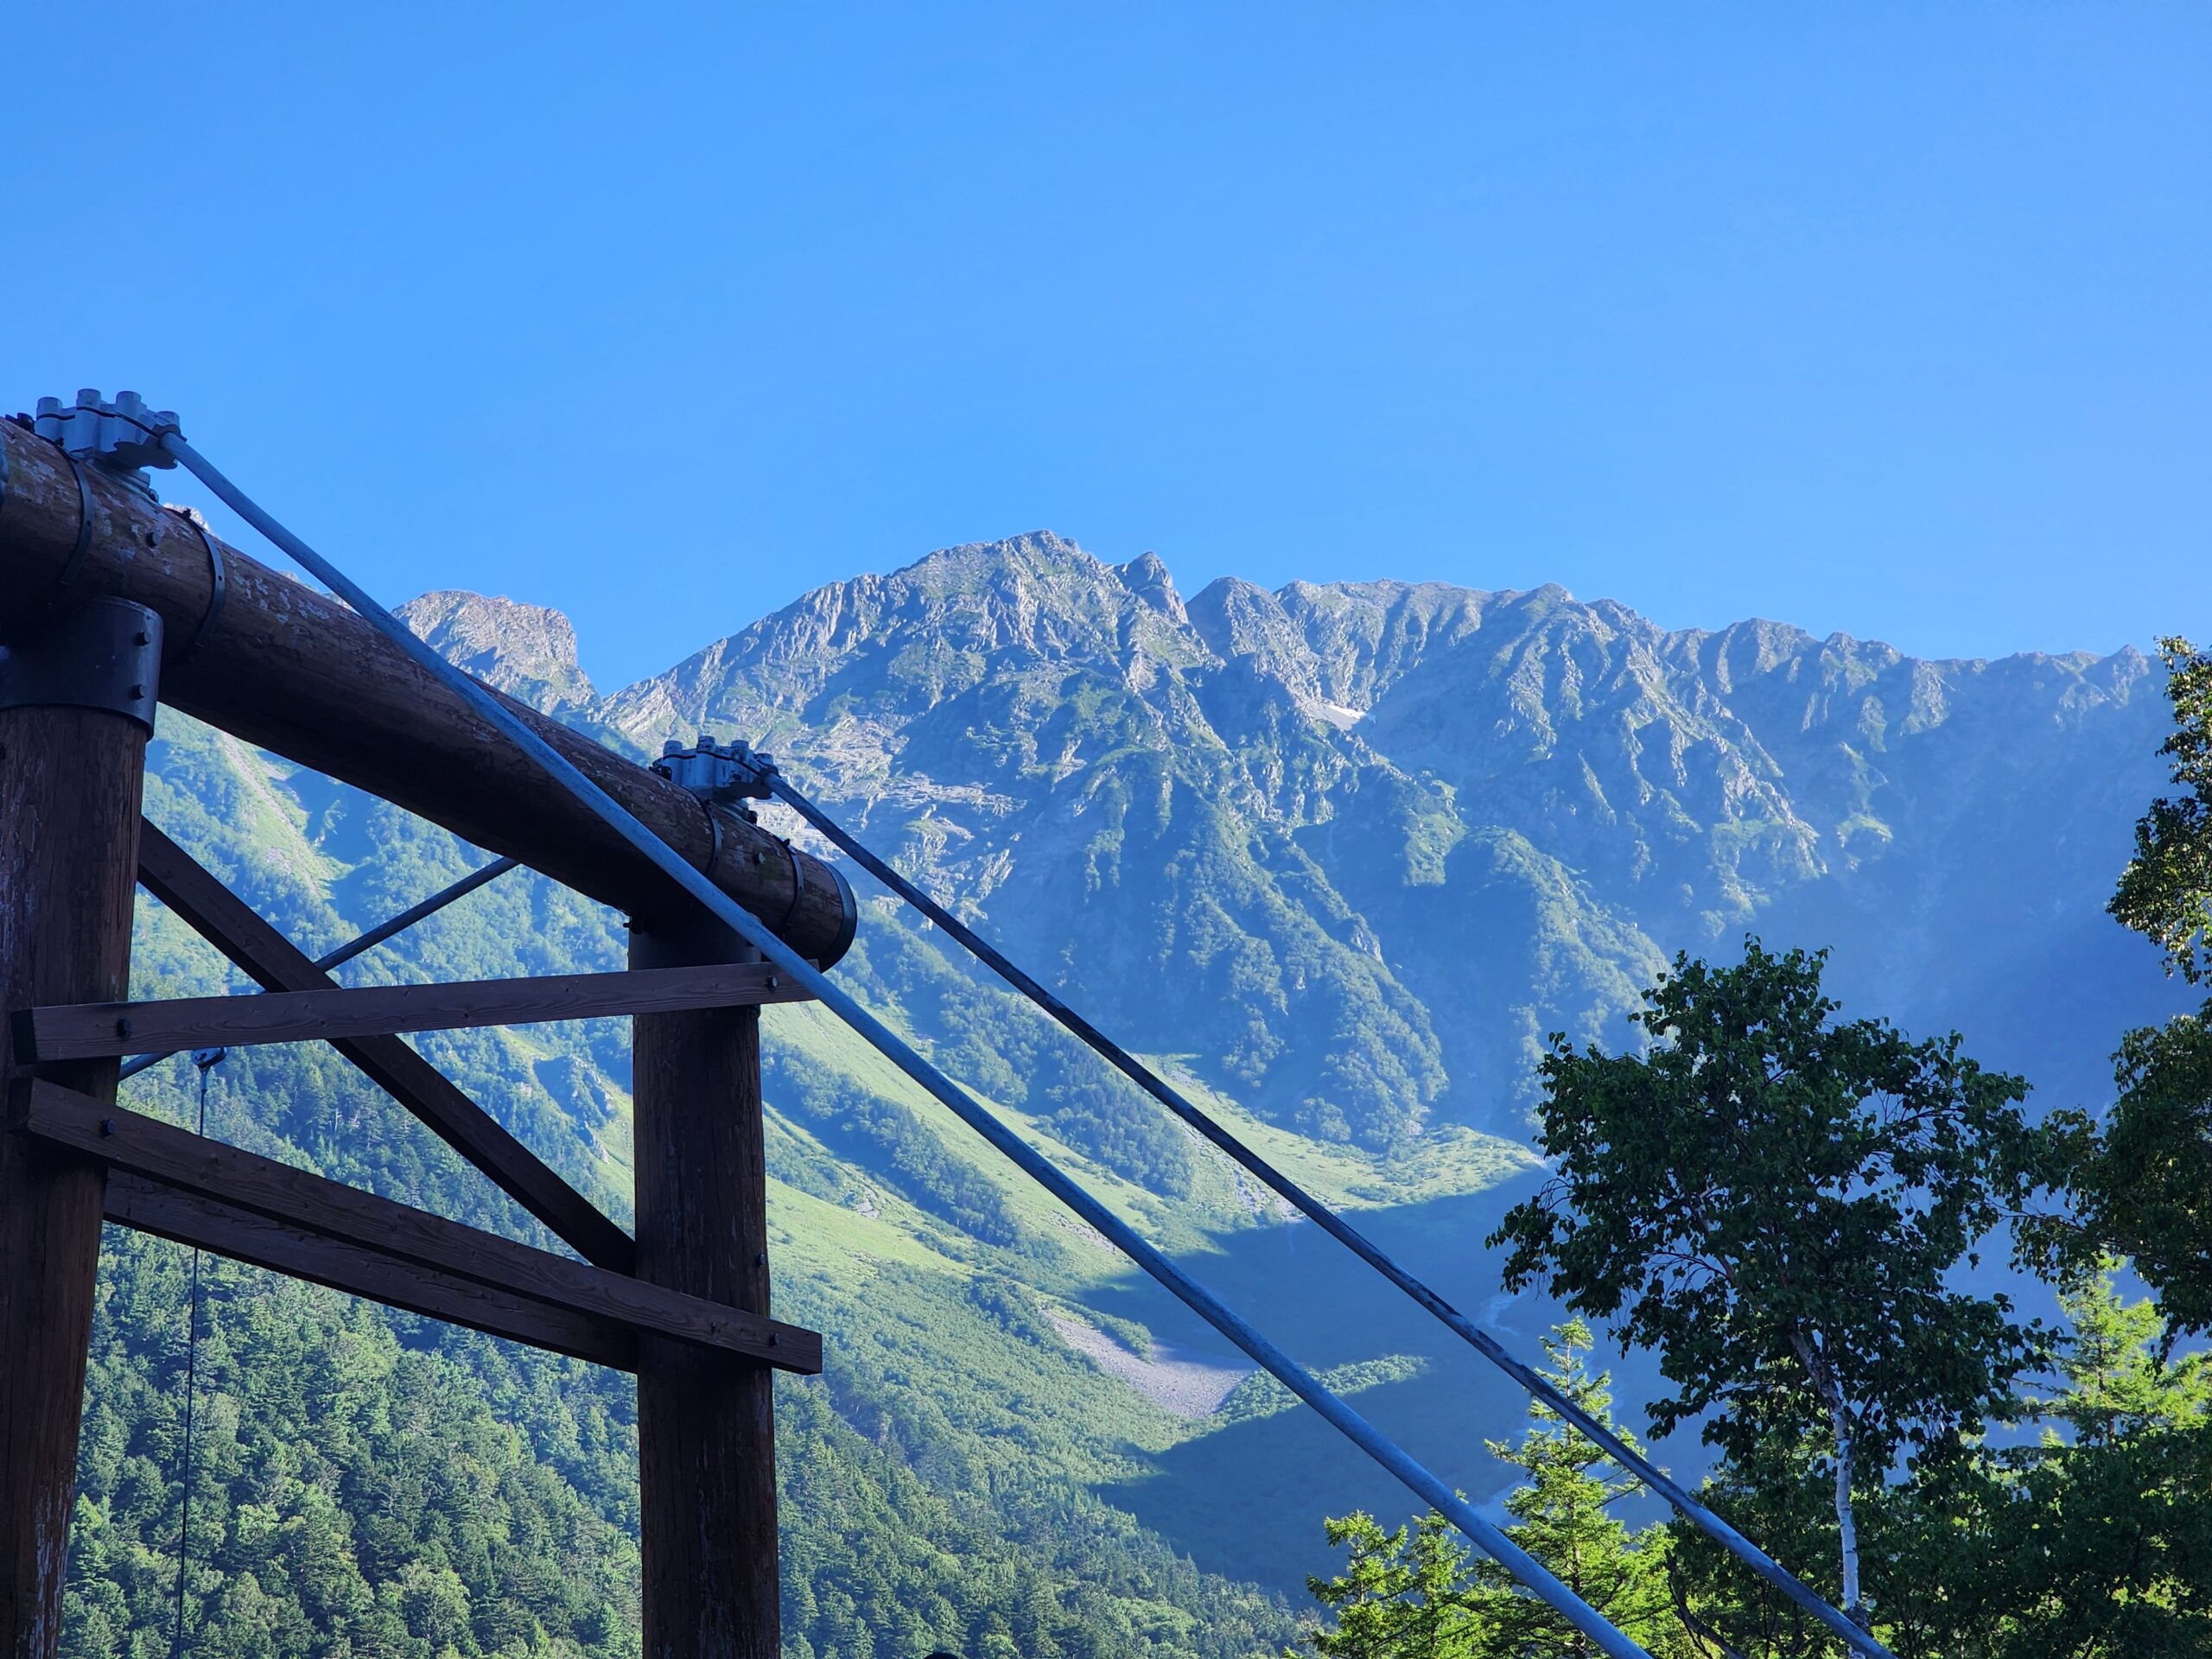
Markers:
{"x": 69, "y": 785}
{"x": 247, "y": 1236}
{"x": 706, "y": 1421}
{"x": 294, "y": 672}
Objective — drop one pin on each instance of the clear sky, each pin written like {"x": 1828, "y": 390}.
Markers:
{"x": 1891, "y": 319}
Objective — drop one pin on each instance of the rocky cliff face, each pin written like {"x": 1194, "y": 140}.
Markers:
{"x": 1358, "y": 847}
{"x": 526, "y": 651}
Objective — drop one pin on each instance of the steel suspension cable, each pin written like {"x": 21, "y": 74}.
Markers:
{"x": 1331, "y": 1406}
{"x": 1612, "y": 1444}
{"x": 376, "y": 936}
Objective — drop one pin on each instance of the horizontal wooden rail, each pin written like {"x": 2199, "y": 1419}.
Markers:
{"x": 243, "y": 1235}
{"x": 91, "y": 1030}
{"x": 275, "y": 964}
{"x": 536, "y": 1294}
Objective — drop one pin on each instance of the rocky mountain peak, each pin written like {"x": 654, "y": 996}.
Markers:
{"x": 1473, "y": 817}
{"x": 1146, "y": 576}
{"x": 527, "y": 651}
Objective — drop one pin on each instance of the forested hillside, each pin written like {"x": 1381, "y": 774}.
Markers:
{"x": 1340, "y": 855}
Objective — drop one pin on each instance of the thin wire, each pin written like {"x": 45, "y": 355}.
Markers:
{"x": 375, "y": 936}
{"x": 191, "y": 1385}
{"x": 1613, "y": 1443}
{"x": 414, "y": 914}
{"x": 1325, "y": 1402}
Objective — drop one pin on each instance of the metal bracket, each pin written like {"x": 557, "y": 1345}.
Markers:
{"x": 715, "y": 773}
{"x": 121, "y": 438}
{"x": 104, "y": 654}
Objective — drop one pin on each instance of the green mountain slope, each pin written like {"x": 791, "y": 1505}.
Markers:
{"x": 1338, "y": 855}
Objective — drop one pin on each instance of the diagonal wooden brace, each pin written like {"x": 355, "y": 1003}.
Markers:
{"x": 233, "y": 927}
{"x": 239, "y": 1204}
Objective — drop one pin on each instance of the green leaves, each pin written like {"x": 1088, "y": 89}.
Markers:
{"x": 2166, "y": 893}
{"x": 1405, "y": 1594}
{"x": 2141, "y": 1180}
{"x": 1777, "y": 1203}
{"x": 352, "y": 1493}
{"x": 1767, "y": 1178}
{"x": 1417, "y": 1593}
{"x": 1562, "y": 1515}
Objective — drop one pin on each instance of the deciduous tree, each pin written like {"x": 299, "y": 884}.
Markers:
{"x": 2165, "y": 892}
{"x": 1774, "y": 1201}
{"x": 2142, "y": 1177}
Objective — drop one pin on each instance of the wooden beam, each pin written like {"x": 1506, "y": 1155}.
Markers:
{"x": 90, "y": 1030}
{"x": 295, "y": 671}
{"x": 209, "y": 1224}
{"x": 233, "y": 927}
{"x": 174, "y": 1158}
{"x": 69, "y": 785}
{"x": 705, "y": 1426}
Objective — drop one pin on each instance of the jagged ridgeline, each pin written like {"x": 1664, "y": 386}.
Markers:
{"x": 1338, "y": 855}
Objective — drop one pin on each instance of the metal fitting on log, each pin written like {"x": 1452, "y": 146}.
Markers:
{"x": 104, "y": 654}
{"x": 295, "y": 672}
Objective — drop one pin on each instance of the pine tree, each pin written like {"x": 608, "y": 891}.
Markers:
{"x": 2119, "y": 1380}
{"x": 2107, "y": 1545}
{"x": 1563, "y": 1516}
{"x": 1415, "y": 1593}
{"x": 1405, "y": 1594}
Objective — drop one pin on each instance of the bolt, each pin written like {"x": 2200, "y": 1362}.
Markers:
{"x": 138, "y": 693}
{"x": 122, "y": 1027}
{"x": 153, "y": 538}
{"x": 142, "y": 638}
{"x": 773, "y": 981}
{"x": 760, "y": 1260}
{"x": 107, "y": 1127}
{"x": 773, "y": 1338}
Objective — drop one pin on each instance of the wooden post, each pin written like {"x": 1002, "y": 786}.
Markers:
{"x": 706, "y": 1421}
{"x": 69, "y": 784}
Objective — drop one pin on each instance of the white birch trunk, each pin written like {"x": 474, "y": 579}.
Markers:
{"x": 1825, "y": 1385}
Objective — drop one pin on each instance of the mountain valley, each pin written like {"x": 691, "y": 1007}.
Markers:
{"x": 1340, "y": 857}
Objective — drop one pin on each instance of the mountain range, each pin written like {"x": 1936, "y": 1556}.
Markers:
{"x": 1340, "y": 857}
{"x": 1383, "y": 837}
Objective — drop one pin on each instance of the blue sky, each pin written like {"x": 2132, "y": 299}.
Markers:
{"x": 1891, "y": 319}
